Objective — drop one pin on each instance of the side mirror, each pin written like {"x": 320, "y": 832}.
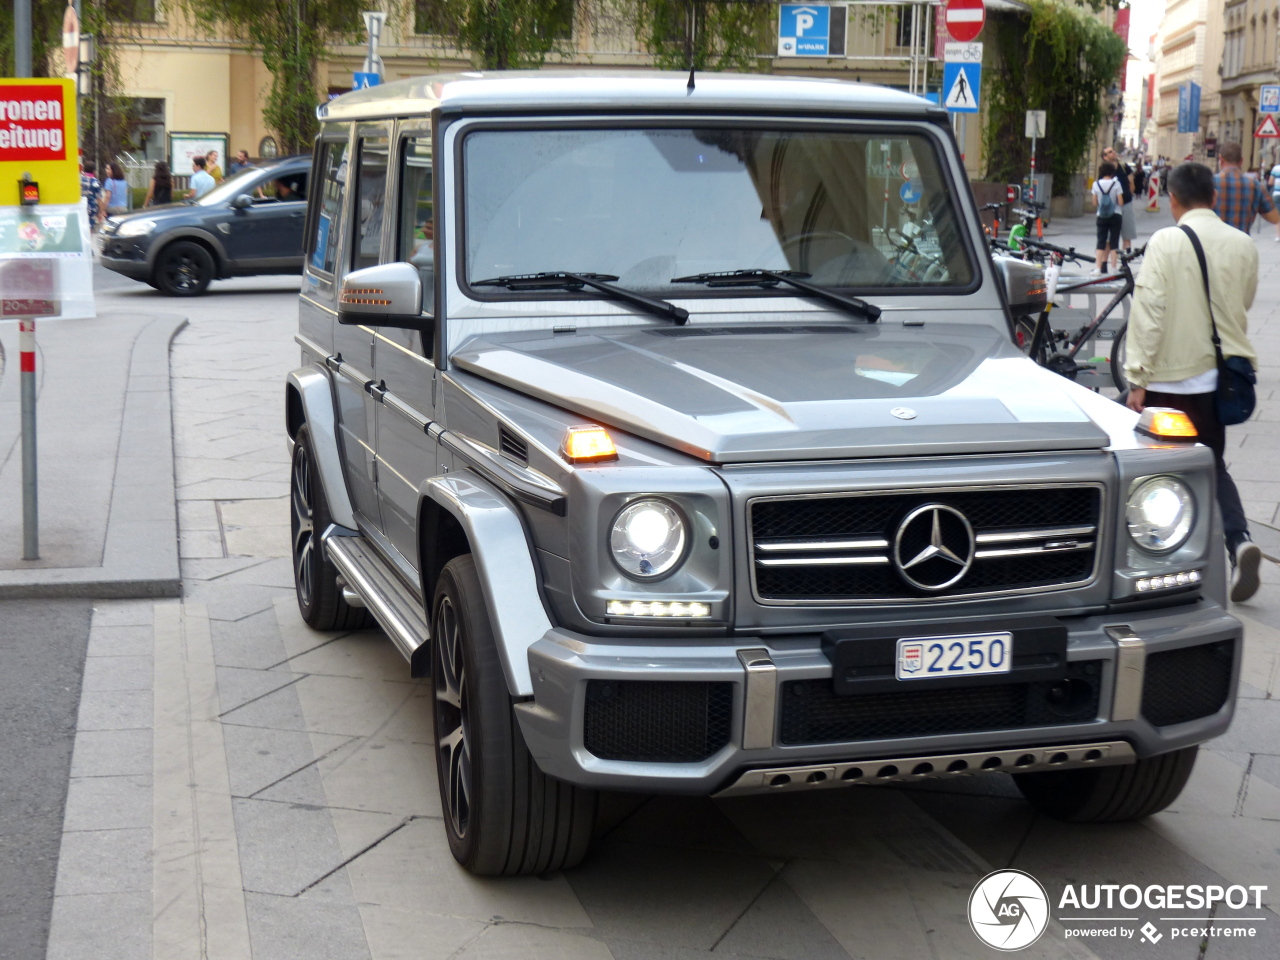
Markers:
{"x": 242, "y": 201}
{"x": 388, "y": 295}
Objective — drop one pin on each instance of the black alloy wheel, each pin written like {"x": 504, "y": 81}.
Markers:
{"x": 452, "y": 703}
{"x": 315, "y": 578}
{"x": 503, "y": 815}
{"x": 184, "y": 269}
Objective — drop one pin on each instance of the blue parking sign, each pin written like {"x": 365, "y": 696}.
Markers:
{"x": 804, "y": 29}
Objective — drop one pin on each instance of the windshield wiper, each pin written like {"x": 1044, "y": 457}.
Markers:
{"x": 559, "y": 280}
{"x": 793, "y": 278}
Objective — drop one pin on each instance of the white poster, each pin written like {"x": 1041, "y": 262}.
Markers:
{"x": 184, "y": 147}
{"x": 54, "y": 234}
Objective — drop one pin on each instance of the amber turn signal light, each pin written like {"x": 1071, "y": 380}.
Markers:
{"x": 588, "y": 444}
{"x": 1166, "y": 423}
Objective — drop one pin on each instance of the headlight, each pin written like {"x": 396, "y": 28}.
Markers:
{"x": 648, "y": 539}
{"x": 136, "y": 228}
{"x": 1160, "y": 513}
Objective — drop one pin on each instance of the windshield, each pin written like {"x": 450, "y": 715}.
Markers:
{"x": 847, "y": 209}
{"x": 232, "y": 186}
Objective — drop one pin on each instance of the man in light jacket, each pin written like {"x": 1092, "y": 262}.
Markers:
{"x": 1170, "y": 360}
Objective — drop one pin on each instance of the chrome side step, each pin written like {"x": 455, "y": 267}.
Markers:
{"x": 908, "y": 769}
{"x": 397, "y": 609}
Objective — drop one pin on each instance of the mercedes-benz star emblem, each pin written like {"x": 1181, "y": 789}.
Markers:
{"x": 934, "y": 547}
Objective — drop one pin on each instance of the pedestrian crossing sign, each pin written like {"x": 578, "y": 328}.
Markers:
{"x": 961, "y": 86}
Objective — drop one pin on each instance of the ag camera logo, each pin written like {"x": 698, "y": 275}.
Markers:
{"x": 1008, "y": 910}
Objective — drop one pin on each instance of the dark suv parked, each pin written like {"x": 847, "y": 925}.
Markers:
{"x": 249, "y": 224}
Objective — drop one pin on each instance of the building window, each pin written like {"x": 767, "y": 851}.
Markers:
{"x": 131, "y": 11}
{"x": 437, "y": 17}
{"x": 143, "y": 135}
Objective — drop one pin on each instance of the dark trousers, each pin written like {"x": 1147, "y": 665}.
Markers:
{"x": 1199, "y": 407}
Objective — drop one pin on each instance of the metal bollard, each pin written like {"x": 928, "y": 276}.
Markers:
{"x": 30, "y": 508}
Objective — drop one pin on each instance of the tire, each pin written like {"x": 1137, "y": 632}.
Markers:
{"x": 1110, "y": 794}
{"x": 503, "y": 816}
{"x": 1024, "y": 329}
{"x": 183, "y": 269}
{"x": 1119, "y": 348}
{"x": 315, "y": 578}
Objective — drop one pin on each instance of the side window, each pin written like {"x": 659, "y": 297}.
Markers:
{"x": 333, "y": 184}
{"x": 286, "y": 188}
{"x": 370, "y": 199}
{"x": 417, "y": 218}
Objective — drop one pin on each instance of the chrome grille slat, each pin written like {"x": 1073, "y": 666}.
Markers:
{"x": 1031, "y": 551}
{"x": 1037, "y": 534}
{"x": 799, "y": 545}
{"x": 818, "y": 561}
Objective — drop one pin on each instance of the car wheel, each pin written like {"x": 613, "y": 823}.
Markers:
{"x": 184, "y": 269}
{"x": 502, "y": 814}
{"x": 315, "y": 578}
{"x": 1109, "y": 794}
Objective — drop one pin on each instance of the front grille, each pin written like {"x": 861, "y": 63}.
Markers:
{"x": 1187, "y": 683}
{"x": 658, "y": 721}
{"x": 840, "y": 548}
{"x": 813, "y": 713}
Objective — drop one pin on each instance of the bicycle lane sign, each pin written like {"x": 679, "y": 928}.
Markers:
{"x": 1269, "y": 98}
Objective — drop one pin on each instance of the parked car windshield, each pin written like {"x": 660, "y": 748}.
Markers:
{"x": 847, "y": 209}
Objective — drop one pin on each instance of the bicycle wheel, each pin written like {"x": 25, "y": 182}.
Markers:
{"x": 1117, "y": 359}
{"x": 1024, "y": 329}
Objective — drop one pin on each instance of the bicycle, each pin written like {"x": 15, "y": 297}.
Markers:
{"x": 1056, "y": 350}
{"x": 1029, "y": 216}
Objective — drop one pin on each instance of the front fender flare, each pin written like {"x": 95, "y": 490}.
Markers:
{"x": 313, "y": 389}
{"x": 504, "y": 562}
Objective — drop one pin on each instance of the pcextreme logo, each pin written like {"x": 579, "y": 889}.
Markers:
{"x": 1008, "y": 910}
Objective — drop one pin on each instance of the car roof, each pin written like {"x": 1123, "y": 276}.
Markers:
{"x": 599, "y": 90}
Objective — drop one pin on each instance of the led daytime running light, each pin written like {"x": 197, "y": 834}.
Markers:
{"x": 677, "y": 609}
{"x": 1184, "y": 579}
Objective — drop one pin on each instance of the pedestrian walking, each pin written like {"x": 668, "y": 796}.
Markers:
{"x": 241, "y": 162}
{"x": 1108, "y": 197}
{"x": 1273, "y": 183}
{"x": 1172, "y": 360}
{"x": 161, "y": 190}
{"x": 1129, "y": 216}
{"x": 91, "y": 192}
{"x": 1240, "y": 197}
{"x": 201, "y": 181}
{"x": 117, "y": 188}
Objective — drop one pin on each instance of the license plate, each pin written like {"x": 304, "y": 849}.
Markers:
{"x": 973, "y": 655}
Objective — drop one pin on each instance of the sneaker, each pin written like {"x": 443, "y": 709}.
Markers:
{"x": 1244, "y": 571}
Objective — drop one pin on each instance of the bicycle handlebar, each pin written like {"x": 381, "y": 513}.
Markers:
{"x": 1068, "y": 253}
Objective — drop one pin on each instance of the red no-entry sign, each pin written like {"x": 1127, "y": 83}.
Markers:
{"x": 965, "y": 18}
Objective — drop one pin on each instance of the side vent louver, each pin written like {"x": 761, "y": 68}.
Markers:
{"x": 511, "y": 446}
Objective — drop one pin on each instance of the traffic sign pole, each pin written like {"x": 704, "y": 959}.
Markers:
{"x": 30, "y": 488}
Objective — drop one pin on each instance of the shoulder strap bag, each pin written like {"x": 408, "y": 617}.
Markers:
{"x": 1235, "y": 397}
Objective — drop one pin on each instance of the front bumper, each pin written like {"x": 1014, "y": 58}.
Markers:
{"x": 126, "y": 255}
{"x": 562, "y": 664}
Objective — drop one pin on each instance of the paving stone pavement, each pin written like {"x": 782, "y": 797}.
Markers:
{"x": 244, "y": 787}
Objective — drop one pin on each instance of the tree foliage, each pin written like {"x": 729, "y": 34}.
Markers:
{"x": 501, "y": 34}
{"x": 292, "y": 36}
{"x": 1058, "y": 59}
{"x": 706, "y": 34}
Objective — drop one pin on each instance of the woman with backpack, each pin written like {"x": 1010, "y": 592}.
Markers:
{"x": 1108, "y": 196}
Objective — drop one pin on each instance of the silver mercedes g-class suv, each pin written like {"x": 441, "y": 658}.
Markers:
{"x": 674, "y": 427}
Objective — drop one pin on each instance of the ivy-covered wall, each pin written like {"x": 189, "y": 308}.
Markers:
{"x": 1061, "y": 59}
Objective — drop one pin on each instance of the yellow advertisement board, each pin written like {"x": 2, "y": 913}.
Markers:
{"x": 38, "y": 135}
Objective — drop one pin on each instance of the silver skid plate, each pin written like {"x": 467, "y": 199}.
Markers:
{"x": 907, "y": 769}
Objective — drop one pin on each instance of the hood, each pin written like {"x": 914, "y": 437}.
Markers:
{"x": 753, "y": 392}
